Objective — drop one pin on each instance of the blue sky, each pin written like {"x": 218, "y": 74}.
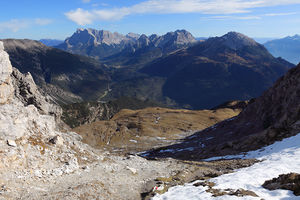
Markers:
{"x": 58, "y": 19}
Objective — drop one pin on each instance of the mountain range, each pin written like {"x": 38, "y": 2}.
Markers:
{"x": 217, "y": 70}
{"x": 288, "y": 48}
{"x": 117, "y": 49}
{"x": 173, "y": 70}
{"x": 64, "y": 76}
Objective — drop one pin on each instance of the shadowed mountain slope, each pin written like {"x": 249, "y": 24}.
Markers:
{"x": 64, "y": 76}
{"x": 269, "y": 118}
{"x": 220, "y": 69}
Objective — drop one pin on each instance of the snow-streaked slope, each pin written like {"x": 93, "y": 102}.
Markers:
{"x": 279, "y": 158}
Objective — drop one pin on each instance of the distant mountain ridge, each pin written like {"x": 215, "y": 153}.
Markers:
{"x": 66, "y": 77}
{"x": 51, "y": 42}
{"x": 219, "y": 69}
{"x": 287, "y": 48}
{"x": 164, "y": 69}
{"x": 113, "y": 47}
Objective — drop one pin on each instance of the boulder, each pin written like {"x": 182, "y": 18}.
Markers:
{"x": 57, "y": 140}
{"x": 289, "y": 181}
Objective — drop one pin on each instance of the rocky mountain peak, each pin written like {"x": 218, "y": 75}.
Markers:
{"x": 180, "y": 37}
{"x": 184, "y": 37}
{"x": 143, "y": 41}
{"x": 143, "y": 37}
{"x": 95, "y": 37}
{"x": 134, "y": 36}
{"x": 236, "y": 40}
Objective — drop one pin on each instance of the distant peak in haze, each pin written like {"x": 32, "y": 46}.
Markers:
{"x": 287, "y": 48}
{"x": 295, "y": 37}
{"x": 51, "y": 42}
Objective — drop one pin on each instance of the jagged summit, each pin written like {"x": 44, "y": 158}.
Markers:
{"x": 143, "y": 41}
{"x": 95, "y": 37}
{"x": 179, "y": 37}
{"x": 105, "y": 45}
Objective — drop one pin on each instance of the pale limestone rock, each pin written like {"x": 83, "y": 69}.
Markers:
{"x": 11, "y": 143}
{"x": 57, "y": 140}
{"x": 17, "y": 121}
{"x": 133, "y": 170}
{"x": 6, "y": 89}
{"x": 28, "y": 93}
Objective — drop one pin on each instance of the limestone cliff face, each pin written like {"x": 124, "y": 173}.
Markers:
{"x": 26, "y": 91}
{"x": 22, "y": 104}
{"x": 6, "y": 89}
{"x": 21, "y": 89}
{"x": 30, "y": 143}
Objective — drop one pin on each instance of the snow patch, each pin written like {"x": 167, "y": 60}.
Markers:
{"x": 279, "y": 158}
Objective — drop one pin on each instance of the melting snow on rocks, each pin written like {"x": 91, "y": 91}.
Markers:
{"x": 279, "y": 158}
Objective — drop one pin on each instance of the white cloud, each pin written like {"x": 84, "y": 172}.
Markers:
{"x": 15, "y": 25}
{"x": 42, "y": 22}
{"x": 221, "y": 7}
{"x": 229, "y": 17}
{"x": 280, "y": 14}
{"x": 80, "y": 16}
{"x": 86, "y": 1}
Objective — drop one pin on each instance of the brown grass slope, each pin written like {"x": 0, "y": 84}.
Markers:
{"x": 144, "y": 129}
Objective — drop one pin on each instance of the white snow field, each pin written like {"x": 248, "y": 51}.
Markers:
{"x": 279, "y": 158}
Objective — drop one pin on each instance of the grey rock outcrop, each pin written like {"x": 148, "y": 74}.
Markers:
{"x": 28, "y": 93}
{"x": 27, "y": 124}
{"x": 6, "y": 89}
